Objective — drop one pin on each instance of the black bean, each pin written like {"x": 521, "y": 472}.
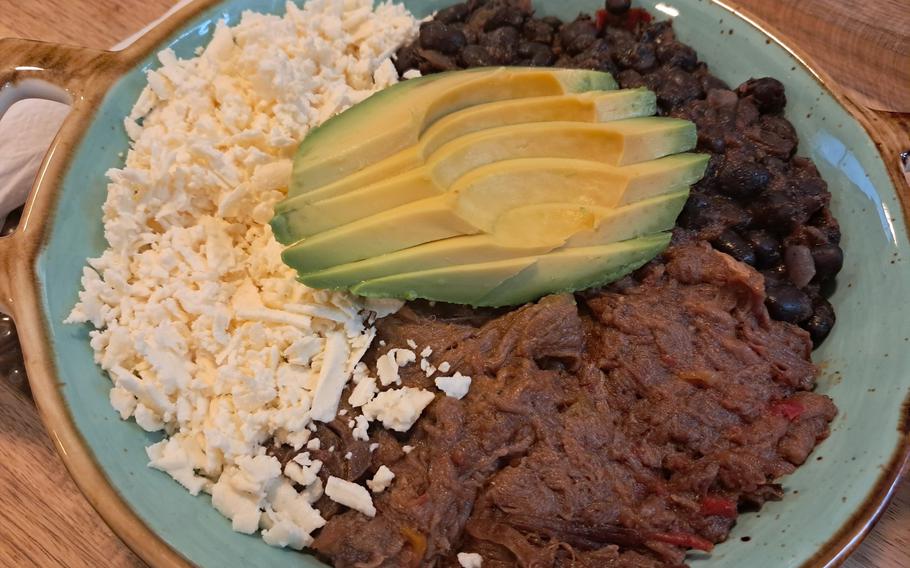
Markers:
{"x": 675, "y": 87}
{"x": 731, "y": 243}
{"x": 454, "y": 13}
{"x": 502, "y": 44}
{"x": 617, "y": 7}
{"x": 552, "y": 21}
{"x": 406, "y": 58}
{"x": 577, "y": 36}
{"x": 630, "y": 79}
{"x": 476, "y": 56}
{"x": 829, "y": 259}
{"x": 767, "y": 92}
{"x": 536, "y": 54}
{"x": 775, "y": 211}
{"x": 643, "y": 57}
{"x": 442, "y": 38}
{"x": 434, "y": 61}
{"x": 766, "y": 247}
{"x": 658, "y": 31}
{"x": 506, "y": 16}
{"x": 786, "y": 303}
{"x": 709, "y": 81}
{"x": 538, "y": 31}
{"x": 677, "y": 54}
{"x": 596, "y": 57}
{"x": 824, "y": 220}
{"x": 742, "y": 179}
{"x": 820, "y": 322}
{"x": 775, "y": 136}
{"x": 694, "y": 213}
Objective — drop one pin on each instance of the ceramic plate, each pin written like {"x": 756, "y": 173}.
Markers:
{"x": 830, "y": 501}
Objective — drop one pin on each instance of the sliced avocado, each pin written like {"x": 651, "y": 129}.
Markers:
{"x": 394, "y": 118}
{"x": 648, "y": 179}
{"x": 402, "y": 227}
{"x": 526, "y": 231}
{"x": 573, "y": 269}
{"x": 460, "y": 285}
{"x": 524, "y": 180}
{"x": 470, "y": 249}
{"x": 475, "y": 203}
{"x": 487, "y": 193}
{"x": 617, "y": 143}
{"x": 595, "y": 106}
{"x": 609, "y": 225}
{"x": 296, "y": 218}
{"x": 514, "y": 281}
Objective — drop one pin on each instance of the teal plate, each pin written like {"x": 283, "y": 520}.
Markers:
{"x": 830, "y": 501}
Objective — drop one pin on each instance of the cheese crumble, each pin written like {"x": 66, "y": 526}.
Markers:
{"x": 205, "y": 333}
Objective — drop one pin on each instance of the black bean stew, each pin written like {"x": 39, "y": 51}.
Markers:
{"x": 759, "y": 202}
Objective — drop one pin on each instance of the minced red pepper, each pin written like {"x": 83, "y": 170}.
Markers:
{"x": 718, "y": 507}
{"x": 789, "y": 409}
{"x": 637, "y": 16}
{"x": 685, "y": 540}
{"x": 601, "y": 20}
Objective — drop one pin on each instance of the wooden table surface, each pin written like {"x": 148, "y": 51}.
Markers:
{"x": 45, "y": 521}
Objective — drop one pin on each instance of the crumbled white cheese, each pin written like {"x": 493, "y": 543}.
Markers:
{"x": 381, "y": 480}
{"x": 290, "y": 517}
{"x": 398, "y": 409}
{"x": 387, "y": 369}
{"x": 363, "y": 392}
{"x": 444, "y": 367}
{"x": 374, "y": 446}
{"x": 456, "y": 386}
{"x": 407, "y": 449}
{"x": 350, "y": 495}
{"x": 313, "y": 444}
{"x": 203, "y": 330}
{"x": 411, "y": 343}
{"x": 469, "y": 560}
{"x": 403, "y": 357}
{"x": 302, "y": 474}
{"x": 348, "y": 455}
{"x": 361, "y": 428}
{"x": 427, "y": 351}
{"x": 332, "y": 378}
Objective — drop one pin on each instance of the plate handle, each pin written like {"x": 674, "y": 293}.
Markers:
{"x": 39, "y": 70}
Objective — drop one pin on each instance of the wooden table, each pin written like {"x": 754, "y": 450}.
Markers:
{"x": 45, "y": 521}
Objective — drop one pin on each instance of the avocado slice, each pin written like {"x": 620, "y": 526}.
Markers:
{"x": 394, "y": 118}
{"x": 487, "y": 193}
{"x": 633, "y": 140}
{"x": 514, "y": 281}
{"x": 593, "y": 106}
{"x": 408, "y": 225}
{"x": 476, "y": 202}
{"x": 617, "y": 143}
{"x": 525, "y": 231}
{"x": 579, "y": 268}
{"x": 609, "y": 225}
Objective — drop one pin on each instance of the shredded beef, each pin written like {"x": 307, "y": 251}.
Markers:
{"x": 621, "y": 427}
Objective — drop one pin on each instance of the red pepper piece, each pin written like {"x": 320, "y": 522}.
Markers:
{"x": 684, "y": 540}
{"x": 791, "y": 410}
{"x": 601, "y": 20}
{"x": 637, "y": 16}
{"x": 718, "y": 507}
